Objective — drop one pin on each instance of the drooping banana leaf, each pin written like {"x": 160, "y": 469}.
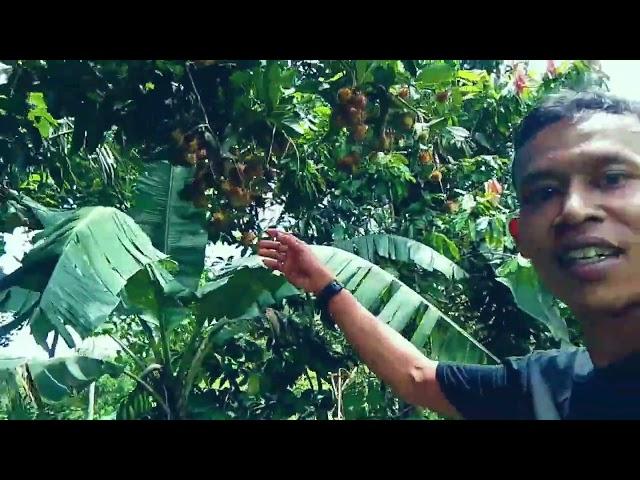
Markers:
{"x": 247, "y": 288}
{"x": 243, "y": 291}
{"x": 77, "y": 268}
{"x": 530, "y": 295}
{"x": 174, "y": 225}
{"x": 17, "y": 209}
{"x": 402, "y": 249}
{"x": 403, "y": 309}
{"x": 55, "y": 379}
{"x": 154, "y": 295}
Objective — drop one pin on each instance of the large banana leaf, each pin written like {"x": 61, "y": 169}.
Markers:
{"x": 55, "y": 379}
{"x": 243, "y": 291}
{"x": 174, "y": 225}
{"x": 403, "y": 309}
{"x": 77, "y": 269}
{"x": 247, "y": 288}
{"x": 17, "y": 209}
{"x": 402, "y": 249}
{"x": 529, "y": 294}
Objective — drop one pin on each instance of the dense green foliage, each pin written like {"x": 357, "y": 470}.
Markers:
{"x": 397, "y": 170}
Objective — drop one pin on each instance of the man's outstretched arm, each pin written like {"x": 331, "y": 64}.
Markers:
{"x": 394, "y": 359}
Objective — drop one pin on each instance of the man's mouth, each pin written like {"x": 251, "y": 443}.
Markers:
{"x": 589, "y": 259}
{"x": 587, "y": 255}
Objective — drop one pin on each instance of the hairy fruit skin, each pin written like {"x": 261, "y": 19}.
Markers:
{"x": 359, "y": 132}
{"x": 425, "y": 157}
{"x": 442, "y": 97}
{"x": 344, "y": 95}
{"x": 360, "y": 101}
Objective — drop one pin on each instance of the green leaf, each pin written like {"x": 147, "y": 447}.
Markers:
{"x": 402, "y": 308}
{"x": 363, "y": 69}
{"x": 28, "y": 210}
{"x": 459, "y": 133}
{"x": 174, "y": 225}
{"x": 272, "y": 84}
{"x": 157, "y": 297}
{"x": 442, "y": 244}
{"x": 55, "y": 379}
{"x": 401, "y": 249}
{"x": 78, "y": 267}
{"x": 436, "y": 73}
{"x": 39, "y": 115}
{"x": 251, "y": 287}
{"x": 471, "y": 75}
{"x": 532, "y": 298}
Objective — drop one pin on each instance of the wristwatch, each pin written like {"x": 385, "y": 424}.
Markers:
{"x": 327, "y": 293}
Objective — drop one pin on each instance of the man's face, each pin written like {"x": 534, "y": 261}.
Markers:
{"x": 579, "y": 188}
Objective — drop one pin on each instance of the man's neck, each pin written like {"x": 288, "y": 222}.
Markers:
{"x": 611, "y": 337}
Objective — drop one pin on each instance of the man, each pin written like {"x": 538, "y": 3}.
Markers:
{"x": 577, "y": 175}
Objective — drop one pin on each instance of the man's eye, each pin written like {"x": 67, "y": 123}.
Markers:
{"x": 540, "y": 195}
{"x": 613, "y": 179}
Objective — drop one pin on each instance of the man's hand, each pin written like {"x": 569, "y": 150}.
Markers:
{"x": 295, "y": 260}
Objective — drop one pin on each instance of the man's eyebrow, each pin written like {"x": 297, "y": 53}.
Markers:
{"x": 590, "y": 160}
{"x": 538, "y": 176}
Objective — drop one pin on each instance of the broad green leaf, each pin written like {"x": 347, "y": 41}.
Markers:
{"x": 55, "y": 379}
{"x": 531, "y": 297}
{"x": 78, "y": 268}
{"x": 459, "y": 132}
{"x": 401, "y": 249}
{"x": 18, "y": 209}
{"x": 273, "y": 84}
{"x": 436, "y": 73}
{"x": 406, "y": 311}
{"x": 174, "y": 225}
{"x": 157, "y": 297}
{"x": 249, "y": 285}
{"x": 442, "y": 244}
{"x": 363, "y": 69}
{"x": 39, "y": 115}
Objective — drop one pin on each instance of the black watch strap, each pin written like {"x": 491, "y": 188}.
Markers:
{"x": 328, "y": 292}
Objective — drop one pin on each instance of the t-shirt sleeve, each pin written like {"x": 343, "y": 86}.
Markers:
{"x": 486, "y": 392}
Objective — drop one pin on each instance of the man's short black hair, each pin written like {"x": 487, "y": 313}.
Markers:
{"x": 568, "y": 104}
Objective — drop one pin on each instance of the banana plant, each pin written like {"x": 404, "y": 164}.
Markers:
{"x": 74, "y": 274}
{"x": 25, "y": 382}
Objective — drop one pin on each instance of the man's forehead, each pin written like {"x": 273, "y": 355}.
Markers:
{"x": 585, "y": 136}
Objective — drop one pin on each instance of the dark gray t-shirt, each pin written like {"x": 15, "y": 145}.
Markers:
{"x": 549, "y": 385}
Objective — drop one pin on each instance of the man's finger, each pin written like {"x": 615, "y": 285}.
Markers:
{"x": 269, "y": 244}
{"x": 274, "y": 232}
{"x": 269, "y": 253}
{"x": 289, "y": 240}
{"x": 272, "y": 264}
